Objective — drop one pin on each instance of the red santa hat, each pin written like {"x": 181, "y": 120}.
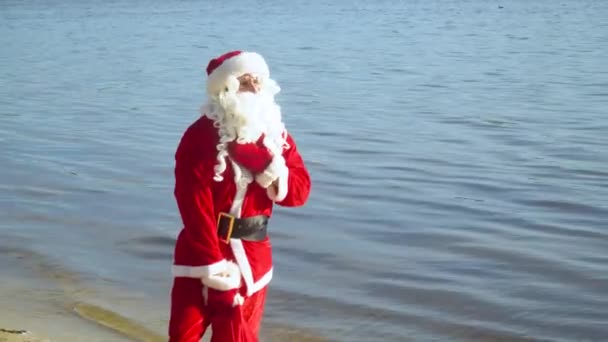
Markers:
{"x": 223, "y": 71}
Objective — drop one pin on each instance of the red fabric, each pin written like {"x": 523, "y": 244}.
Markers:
{"x": 222, "y": 300}
{"x": 253, "y": 156}
{"x": 200, "y": 199}
{"x": 258, "y": 254}
{"x": 299, "y": 179}
{"x": 190, "y": 318}
{"x": 197, "y": 244}
{"x": 216, "y": 62}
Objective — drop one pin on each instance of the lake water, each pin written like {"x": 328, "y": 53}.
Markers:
{"x": 458, "y": 151}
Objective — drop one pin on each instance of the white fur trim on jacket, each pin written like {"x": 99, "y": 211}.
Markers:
{"x": 277, "y": 170}
{"x": 229, "y": 279}
{"x": 224, "y": 75}
{"x": 238, "y": 249}
{"x": 198, "y": 271}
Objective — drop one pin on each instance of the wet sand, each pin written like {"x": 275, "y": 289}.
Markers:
{"x": 42, "y": 301}
{"x": 48, "y": 323}
{"x": 37, "y": 316}
{"x": 7, "y": 335}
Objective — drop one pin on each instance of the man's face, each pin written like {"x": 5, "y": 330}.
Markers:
{"x": 249, "y": 83}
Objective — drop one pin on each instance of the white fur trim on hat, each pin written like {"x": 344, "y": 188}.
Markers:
{"x": 224, "y": 76}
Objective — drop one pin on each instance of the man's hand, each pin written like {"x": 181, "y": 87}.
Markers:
{"x": 274, "y": 186}
{"x": 253, "y": 156}
{"x": 221, "y": 290}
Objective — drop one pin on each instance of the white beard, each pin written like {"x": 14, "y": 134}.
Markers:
{"x": 244, "y": 117}
{"x": 255, "y": 115}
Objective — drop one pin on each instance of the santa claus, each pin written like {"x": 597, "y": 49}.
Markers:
{"x": 232, "y": 165}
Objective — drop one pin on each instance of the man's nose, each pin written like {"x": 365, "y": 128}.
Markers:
{"x": 250, "y": 87}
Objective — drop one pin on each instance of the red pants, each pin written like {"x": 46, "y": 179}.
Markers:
{"x": 190, "y": 317}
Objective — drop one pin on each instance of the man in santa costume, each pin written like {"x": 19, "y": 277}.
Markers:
{"x": 232, "y": 165}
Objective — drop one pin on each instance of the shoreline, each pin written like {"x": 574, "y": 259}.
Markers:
{"x": 8, "y": 335}
{"x": 47, "y": 316}
{"x": 99, "y": 324}
{"x": 49, "y": 323}
{"x": 42, "y": 301}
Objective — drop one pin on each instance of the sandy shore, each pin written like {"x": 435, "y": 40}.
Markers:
{"x": 35, "y": 313}
{"x": 36, "y": 316}
{"x": 32, "y": 314}
{"x": 92, "y": 323}
{"x": 67, "y": 328}
{"x": 7, "y": 335}
{"x": 42, "y": 301}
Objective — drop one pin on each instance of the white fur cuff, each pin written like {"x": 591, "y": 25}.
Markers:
{"x": 226, "y": 280}
{"x": 275, "y": 170}
{"x": 278, "y": 194}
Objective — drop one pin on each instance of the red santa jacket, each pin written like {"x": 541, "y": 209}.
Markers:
{"x": 199, "y": 252}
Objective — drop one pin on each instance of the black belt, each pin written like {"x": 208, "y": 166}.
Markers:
{"x": 247, "y": 228}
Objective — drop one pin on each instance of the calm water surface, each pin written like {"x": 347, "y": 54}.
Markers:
{"x": 459, "y": 152}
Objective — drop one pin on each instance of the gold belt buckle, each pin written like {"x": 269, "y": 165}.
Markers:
{"x": 229, "y": 229}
